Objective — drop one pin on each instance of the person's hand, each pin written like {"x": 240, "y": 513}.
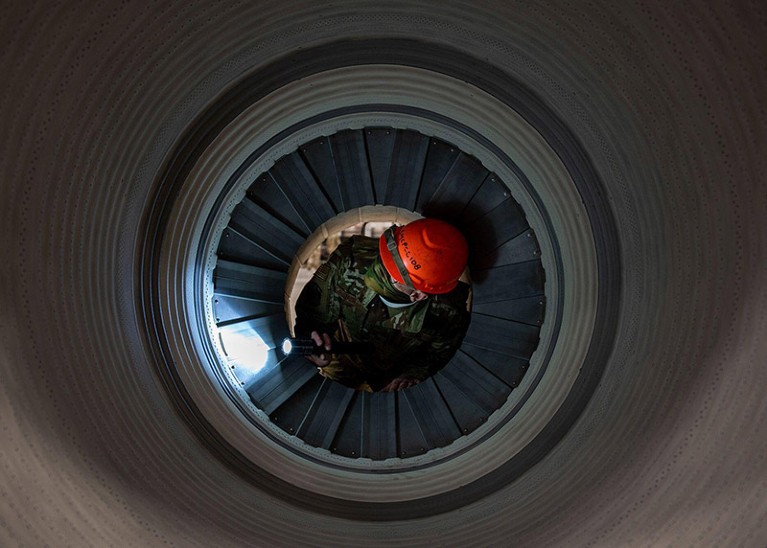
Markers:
{"x": 320, "y": 360}
{"x": 400, "y": 383}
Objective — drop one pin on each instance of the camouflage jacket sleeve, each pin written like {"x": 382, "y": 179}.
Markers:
{"x": 318, "y": 307}
{"x": 445, "y": 329}
{"x": 433, "y": 357}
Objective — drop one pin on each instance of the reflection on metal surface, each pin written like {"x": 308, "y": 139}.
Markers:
{"x": 245, "y": 352}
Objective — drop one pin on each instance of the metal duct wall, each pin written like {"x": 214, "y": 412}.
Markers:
{"x": 667, "y": 99}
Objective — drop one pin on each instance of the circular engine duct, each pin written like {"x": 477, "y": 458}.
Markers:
{"x": 631, "y": 138}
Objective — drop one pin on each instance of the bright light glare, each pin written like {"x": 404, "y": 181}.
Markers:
{"x": 246, "y": 350}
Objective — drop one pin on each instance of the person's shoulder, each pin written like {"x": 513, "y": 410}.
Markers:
{"x": 361, "y": 242}
{"x": 456, "y": 299}
{"x": 352, "y": 256}
{"x": 363, "y": 248}
{"x": 448, "y": 313}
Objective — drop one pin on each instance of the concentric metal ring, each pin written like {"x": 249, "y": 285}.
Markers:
{"x": 560, "y": 199}
{"x": 666, "y": 98}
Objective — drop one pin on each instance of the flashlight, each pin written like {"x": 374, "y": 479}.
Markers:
{"x": 306, "y": 347}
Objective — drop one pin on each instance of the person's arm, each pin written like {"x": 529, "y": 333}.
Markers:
{"x": 318, "y": 306}
{"x": 433, "y": 356}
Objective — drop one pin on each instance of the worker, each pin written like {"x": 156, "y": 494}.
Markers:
{"x": 400, "y": 293}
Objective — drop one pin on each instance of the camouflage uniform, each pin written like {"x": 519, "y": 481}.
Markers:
{"x": 413, "y": 341}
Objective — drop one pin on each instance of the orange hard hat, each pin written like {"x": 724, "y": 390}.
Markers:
{"x": 432, "y": 254}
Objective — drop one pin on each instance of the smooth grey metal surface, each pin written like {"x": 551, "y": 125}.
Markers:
{"x": 664, "y": 98}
